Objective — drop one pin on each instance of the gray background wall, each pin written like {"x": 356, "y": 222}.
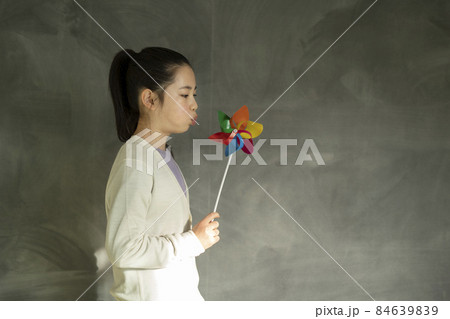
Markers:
{"x": 376, "y": 105}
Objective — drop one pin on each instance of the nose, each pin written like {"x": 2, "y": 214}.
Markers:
{"x": 194, "y": 106}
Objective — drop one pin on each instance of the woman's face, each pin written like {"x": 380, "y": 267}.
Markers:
{"x": 176, "y": 116}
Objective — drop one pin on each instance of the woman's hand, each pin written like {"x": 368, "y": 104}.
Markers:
{"x": 207, "y": 230}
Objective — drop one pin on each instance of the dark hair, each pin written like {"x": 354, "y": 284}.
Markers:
{"x": 126, "y": 78}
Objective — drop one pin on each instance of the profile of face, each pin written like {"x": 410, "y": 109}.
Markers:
{"x": 179, "y": 108}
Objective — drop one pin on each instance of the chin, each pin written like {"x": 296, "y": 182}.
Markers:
{"x": 185, "y": 129}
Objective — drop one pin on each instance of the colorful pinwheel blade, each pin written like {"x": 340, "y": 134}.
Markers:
{"x": 240, "y": 118}
{"x": 224, "y": 121}
{"x": 245, "y": 134}
{"x": 254, "y": 128}
{"x": 248, "y": 146}
{"x": 232, "y": 147}
{"x": 220, "y": 137}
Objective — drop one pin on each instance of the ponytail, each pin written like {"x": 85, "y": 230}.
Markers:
{"x": 126, "y": 78}
{"x": 126, "y": 117}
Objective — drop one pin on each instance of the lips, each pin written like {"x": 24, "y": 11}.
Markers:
{"x": 193, "y": 121}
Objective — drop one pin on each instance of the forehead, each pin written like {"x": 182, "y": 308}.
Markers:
{"x": 185, "y": 77}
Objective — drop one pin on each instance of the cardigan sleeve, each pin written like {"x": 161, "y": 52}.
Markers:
{"x": 128, "y": 245}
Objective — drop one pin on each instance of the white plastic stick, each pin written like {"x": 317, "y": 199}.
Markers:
{"x": 221, "y": 184}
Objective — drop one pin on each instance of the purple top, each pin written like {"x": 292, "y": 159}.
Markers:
{"x": 173, "y": 166}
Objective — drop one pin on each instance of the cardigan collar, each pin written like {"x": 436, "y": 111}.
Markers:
{"x": 172, "y": 176}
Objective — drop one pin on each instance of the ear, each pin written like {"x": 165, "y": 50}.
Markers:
{"x": 148, "y": 98}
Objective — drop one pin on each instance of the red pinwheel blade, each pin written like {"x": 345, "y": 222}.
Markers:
{"x": 248, "y": 146}
{"x": 221, "y": 137}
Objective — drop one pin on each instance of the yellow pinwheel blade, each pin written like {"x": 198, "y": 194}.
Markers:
{"x": 254, "y": 128}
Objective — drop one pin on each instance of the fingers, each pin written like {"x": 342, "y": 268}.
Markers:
{"x": 213, "y": 232}
{"x": 213, "y": 215}
{"x": 213, "y": 226}
{"x": 210, "y": 217}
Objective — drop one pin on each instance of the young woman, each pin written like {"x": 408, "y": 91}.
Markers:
{"x": 150, "y": 240}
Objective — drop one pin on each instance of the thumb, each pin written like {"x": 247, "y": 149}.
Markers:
{"x": 213, "y": 215}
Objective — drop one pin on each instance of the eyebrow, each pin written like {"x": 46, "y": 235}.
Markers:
{"x": 187, "y": 87}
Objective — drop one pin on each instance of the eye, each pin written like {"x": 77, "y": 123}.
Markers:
{"x": 186, "y": 95}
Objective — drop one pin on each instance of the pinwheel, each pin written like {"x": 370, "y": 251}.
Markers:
{"x": 236, "y": 133}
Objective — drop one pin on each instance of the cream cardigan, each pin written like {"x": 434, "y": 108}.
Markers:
{"x": 149, "y": 237}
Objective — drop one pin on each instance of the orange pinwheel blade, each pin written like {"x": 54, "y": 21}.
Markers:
{"x": 240, "y": 118}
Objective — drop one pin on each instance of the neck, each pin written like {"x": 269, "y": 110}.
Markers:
{"x": 153, "y": 137}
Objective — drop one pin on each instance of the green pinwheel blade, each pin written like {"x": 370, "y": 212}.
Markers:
{"x": 224, "y": 121}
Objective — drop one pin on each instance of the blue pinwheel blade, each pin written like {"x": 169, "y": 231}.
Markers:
{"x": 231, "y": 147}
